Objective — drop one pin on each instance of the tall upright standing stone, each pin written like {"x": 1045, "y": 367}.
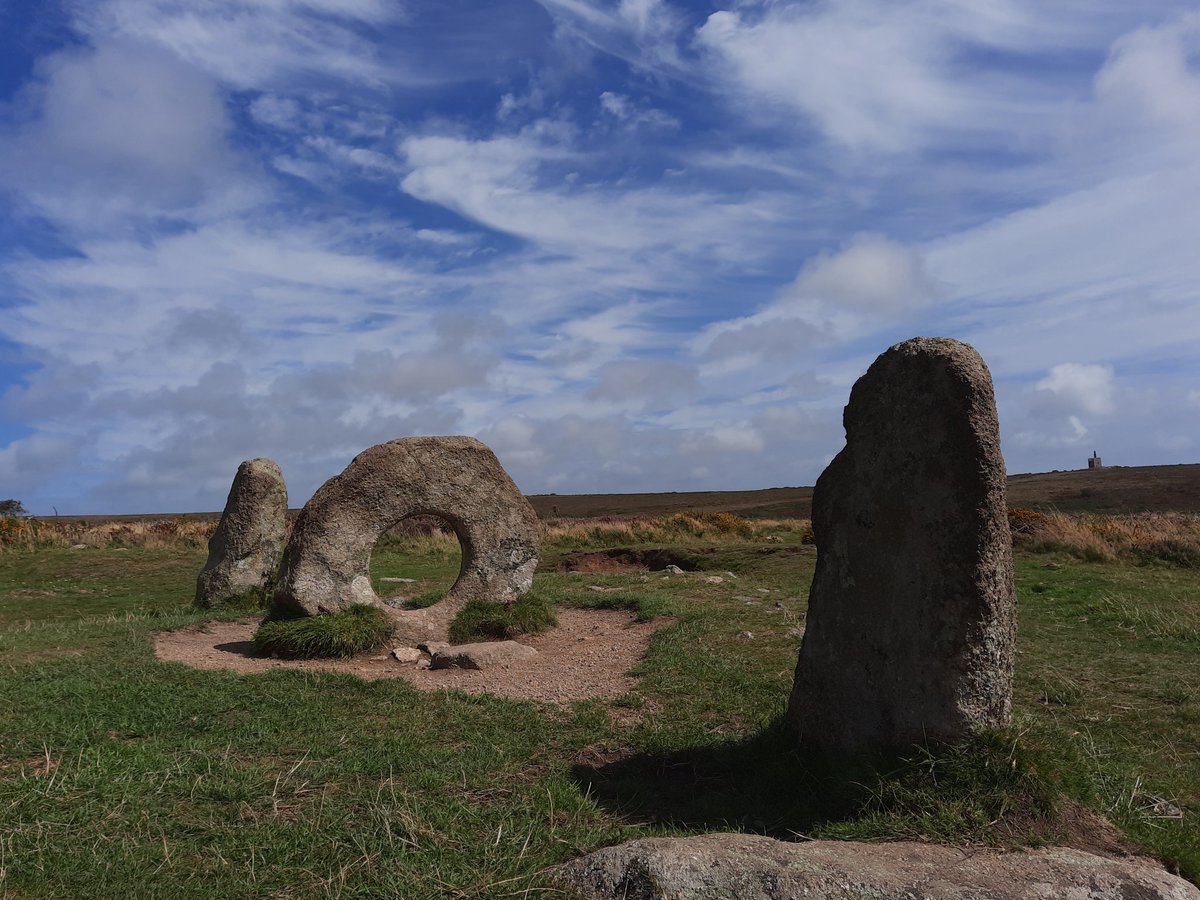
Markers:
{"x": 244, "y": 551}
{"x": 911, "y": 618}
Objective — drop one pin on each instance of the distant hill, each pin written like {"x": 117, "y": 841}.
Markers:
{"x": 1114, "y": 489}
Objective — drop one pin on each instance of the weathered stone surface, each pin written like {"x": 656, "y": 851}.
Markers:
{"x": 751, "y": 867}
{"x": 488, "y": 655}
{"x": 406, "y": 654}
{"x": 911, "y": 619}
{"x": 244, "y": 550}
{"x": 325, "y": 566}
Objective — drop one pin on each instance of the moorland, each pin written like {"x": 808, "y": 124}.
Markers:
{"x": 122, "y": 775}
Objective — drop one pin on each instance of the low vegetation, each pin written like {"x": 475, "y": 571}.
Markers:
{"x": 356, "y": 629}
{"x": 481, "y": 621}
{"x": 124, "y": 776}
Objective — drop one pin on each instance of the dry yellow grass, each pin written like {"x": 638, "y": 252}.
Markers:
{"x": 1171, "y": 537}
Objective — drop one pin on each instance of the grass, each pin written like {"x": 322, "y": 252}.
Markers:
{"x": 356, "y": 629}
{"x": 483, "y": 621}
{"x": 124, "y": 776}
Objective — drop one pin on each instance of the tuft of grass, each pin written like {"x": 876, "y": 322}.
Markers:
{"x": 354, "y": 630}
{"x": 963, "y": 791}
{"x": 531, "y": 614}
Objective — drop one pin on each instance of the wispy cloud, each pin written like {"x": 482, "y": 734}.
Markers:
{"x": 632, "y": 244}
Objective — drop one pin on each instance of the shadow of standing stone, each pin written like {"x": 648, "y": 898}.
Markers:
{"x": 911, "y": 621}
{"x": 245, "y": 549}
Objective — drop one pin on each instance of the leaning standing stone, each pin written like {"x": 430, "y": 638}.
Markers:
{"x": 245, "y": 549}
{"x": 911, "y": 619}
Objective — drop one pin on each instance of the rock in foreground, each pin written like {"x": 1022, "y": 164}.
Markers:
{"x": 484, "y": 655}
{"x": 751, "y": 867}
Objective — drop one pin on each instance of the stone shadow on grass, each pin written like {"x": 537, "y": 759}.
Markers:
{"x": 993, "y": 787}
{"x": 760, "y": 784}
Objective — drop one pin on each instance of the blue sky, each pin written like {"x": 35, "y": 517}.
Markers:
{"x": 631, "y": 244}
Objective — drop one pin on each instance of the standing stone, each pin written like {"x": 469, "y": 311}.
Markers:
{"x": 326, "y": 566}
{"x": 244, "y": 550}
{"x": 911, "y": 618}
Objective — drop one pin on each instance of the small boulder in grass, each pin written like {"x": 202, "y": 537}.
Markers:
{"x": 487, "y": 655}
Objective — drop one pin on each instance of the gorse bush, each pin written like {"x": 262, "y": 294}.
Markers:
{"x": 354, "y": 630}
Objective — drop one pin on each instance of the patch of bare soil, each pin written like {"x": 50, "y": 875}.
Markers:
{"x": 1072, "y": 825}
{"x": 588, "y": 655}
{"x": 625, "y": 559}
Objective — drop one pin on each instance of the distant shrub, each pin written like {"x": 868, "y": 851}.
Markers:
{"x": 353, "y": 630}
{"x": 1169, "y": 550}
{"x": 1026, "y": 521}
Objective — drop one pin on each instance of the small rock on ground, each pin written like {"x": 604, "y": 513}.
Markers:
{"x": 713, "y": 579}
{"x": 673, "y": 570}
{"x": 406, "y": 654}
{"x": 481, "y": 656}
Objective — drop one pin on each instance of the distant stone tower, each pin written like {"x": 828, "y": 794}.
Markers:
{"x": 1094, "y": 462}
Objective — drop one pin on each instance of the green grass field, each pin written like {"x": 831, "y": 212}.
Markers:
{"x": 124, "y": 776}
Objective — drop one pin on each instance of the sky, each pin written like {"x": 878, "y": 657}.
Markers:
{"x": 632, "y": 245}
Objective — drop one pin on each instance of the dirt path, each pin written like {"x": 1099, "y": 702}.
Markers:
{"x": 588, "y": 655}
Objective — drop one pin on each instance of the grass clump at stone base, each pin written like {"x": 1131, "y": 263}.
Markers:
{"x": 354, "y": 630}
{"x": 996, "y": 778}
{"x": 483, "y": 620}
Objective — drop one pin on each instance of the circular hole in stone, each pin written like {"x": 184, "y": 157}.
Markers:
{"x": 416, "y": 561}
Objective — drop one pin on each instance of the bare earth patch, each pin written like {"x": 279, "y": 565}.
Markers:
{"x": 588, "y": 655}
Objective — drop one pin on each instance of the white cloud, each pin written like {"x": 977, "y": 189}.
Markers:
{"x": 871, "y": 274}
{"x": 645, "y": 383}
{"x": 117, "y": 133}
{"x": 257, "y": 43}
{"x": 881, "y": 77}
{"x": 1082, "y": 388}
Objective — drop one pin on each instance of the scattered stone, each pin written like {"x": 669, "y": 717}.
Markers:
{"x": 244, "y": 550}
{"x": 326, "y": 565}
{"x": 79, "y": 546}
{"x": 911, "y": 618}
{"x": 673, "y": 570}
{"x": 1157, "y": 807}
{"x": 486, "y": 655}
{"x": 746, "y": 635}
{"x": 601, "y": 589}
{"x": 432, "y": 647}
{"x": 730, "y": 576}
{"x": 407, "y": 654}
{"x": 764, "y": 590}
{"x": 713, "y": 579}
{"x": 398, "y": 580}
{"x": 752, "y": 867}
